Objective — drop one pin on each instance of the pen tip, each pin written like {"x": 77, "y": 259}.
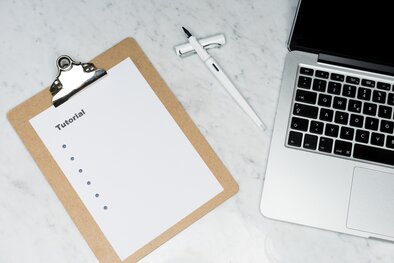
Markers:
{"x": 186, "y": 32}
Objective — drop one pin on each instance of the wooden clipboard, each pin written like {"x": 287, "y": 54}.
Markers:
{"x": 20, "y": 116}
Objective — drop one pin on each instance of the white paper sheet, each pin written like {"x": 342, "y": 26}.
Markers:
{"x": 124, "y": 146}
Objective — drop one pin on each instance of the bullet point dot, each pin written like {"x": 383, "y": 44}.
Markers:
{"x": 96, "y": 195}
{"x": 80, "y": 170}
{"x": 64, "y": 146}
{"x": 72, "y": 158}
{"x": 105, "y": 207}
{"x": 88, "y": 182}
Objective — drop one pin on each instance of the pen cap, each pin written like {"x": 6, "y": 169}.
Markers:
{"x": 215, "y": 41}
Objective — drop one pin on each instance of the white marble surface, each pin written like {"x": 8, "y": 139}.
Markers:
{"x": 34, "y": 227}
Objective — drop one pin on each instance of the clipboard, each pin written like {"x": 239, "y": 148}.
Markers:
{"x": 20, "y": 116}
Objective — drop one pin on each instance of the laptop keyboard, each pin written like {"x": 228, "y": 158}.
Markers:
{"x": 342, "y": 115}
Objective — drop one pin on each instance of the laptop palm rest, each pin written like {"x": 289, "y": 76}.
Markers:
{"x": 371, "y": 205}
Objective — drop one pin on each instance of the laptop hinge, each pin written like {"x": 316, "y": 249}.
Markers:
{"x": 356, "y": 64}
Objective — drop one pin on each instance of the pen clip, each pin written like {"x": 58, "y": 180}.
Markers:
{"x": 216, "y": 41}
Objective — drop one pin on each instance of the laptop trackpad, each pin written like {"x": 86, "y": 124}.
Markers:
{"x": 371, "y": 207}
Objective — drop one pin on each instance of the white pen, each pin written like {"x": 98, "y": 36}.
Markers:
{"x": 223, "y": 79}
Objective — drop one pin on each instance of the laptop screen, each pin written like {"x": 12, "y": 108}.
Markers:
{"x": 347, "y": 28}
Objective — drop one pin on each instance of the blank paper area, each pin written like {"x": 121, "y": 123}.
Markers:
{"x": 127, "y": 149}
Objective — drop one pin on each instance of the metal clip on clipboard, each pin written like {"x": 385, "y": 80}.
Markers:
{"x": 72, "y": 77}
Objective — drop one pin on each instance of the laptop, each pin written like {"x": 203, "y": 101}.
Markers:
{"x": 331, "y": 161}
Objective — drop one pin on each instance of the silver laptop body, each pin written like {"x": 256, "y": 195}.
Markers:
{"x": 347, "y": 187}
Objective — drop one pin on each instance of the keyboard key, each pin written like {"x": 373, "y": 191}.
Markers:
{"x": 368, "y": 83}
{"x": 321, "y": 74}
{"x": 337, "y": 77}
{"x": 362, "y": 136}
{"x": 310, "y": 142}
{"x": 324, "y": 100}
{"x": 352, "y": 80}
{"x": 354, "y": 106}
{"x": 299, "y": 124}
{"x": 390, "y": 99}
{"x": 305, "y": 110}
{"x": 390, "y": 142}
{"x": 349, "y": 91}
{"x": 306, "y": 96}
{"x": 295, "y": 138}
{"x": 364, "y": 94}
{"x": 306, "y": 71}
{"x": 377, "y": 139}
{"x": 326, "y": 114}
{"x": 331, "y": 130}
{"x": 343, "y": 148}
{"x": 356, "y": 120}
{"x": 347, "y": 133}
{"x": 379, "y": 96}
{"x": 385, "y": 112}
{"x": 383, "y": 86}
{"x": 316, "y": 127}
{"x": 386, "y": 126}
{"x": 319, "y": 85}
{"x": 325, "y": 144}
{"x": 339, "y": 103}
{"x": 369, "y": 109}
{"x": 371, "y": 123}
{"x": 334, "y": 88}
{"x": 304, "y": 82}
{"x": 373, "y": 154}
{"x": 341, "y": 117}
